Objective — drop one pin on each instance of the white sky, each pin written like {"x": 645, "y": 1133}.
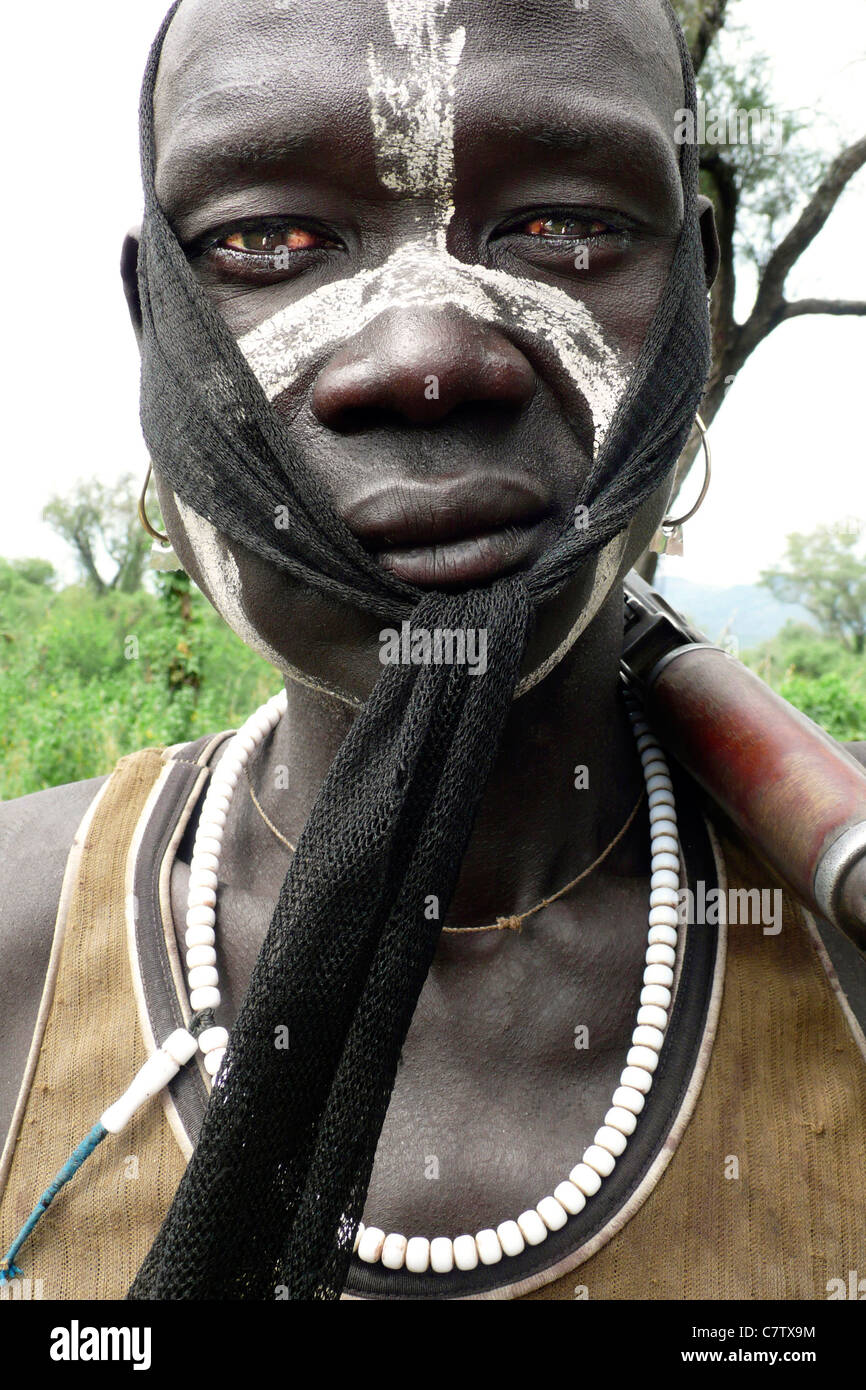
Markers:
{"x": 788, "y": 444}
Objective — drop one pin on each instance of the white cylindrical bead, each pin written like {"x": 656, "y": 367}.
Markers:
{"x": 642, "y": 1056}
{"x": 394, "y": 1251}
{"x": 657, "y": 974}
{"x": 660, "y": 798}
{"x": 532, "y": 1227}
{"x": 207, "y": 844}
{"x": 651, "y": 1016}
{"x": 666, "y": 844}
{"x": 661, "y": 955}
{"x": 200, "y": 936}
{"x": 489, "y": 1247}
{"x": 627, "y": 1098}
{"x": 656, "y": 994}
{"x": 664, "y": 878}
{"x": 623, "y": 1120}
{"x": 200, "y": 955}
{"x": 636, "y": 1078}
{"x": 552, "y": 1213}
{"x": 600, "y": 1159}
{"x": 664, "y": 897}
{"x": 611, "y": 1139}
{"x": 201, "y": 897}
{"x": 201, "y": 976}
{"x": 418, "y": 1255}
{"x": 660, "y": 781}
{"x": 201, "y": 917}
{"x": 441, "y": 1255}
{"x": 202, "y": 862}
{"x": 511, "y": 1238}
{"x": 206, "y": 997}
{"x": 212, "y": 1038}
{"x": 206, "y": 878}
{"x": 664, "y": 917}
{"x": 570, "y": 1196}
{"x": 214, "y": 1060}
{"x": 664, "y": 861}
{"x": 663, "y": 934}
{"x": 370, "y": 1246}
{"x": 465, "y": 1252}
{"x": 585, "y": 1178}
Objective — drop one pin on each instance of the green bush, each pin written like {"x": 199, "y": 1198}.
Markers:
{"x": 86, "y": 679}
{"x": 818, "y": 676}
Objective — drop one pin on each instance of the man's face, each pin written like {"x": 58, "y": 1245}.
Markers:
{"x": 439, "y": 232}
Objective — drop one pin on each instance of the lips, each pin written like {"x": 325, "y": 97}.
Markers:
{"x": 453, "y": 532}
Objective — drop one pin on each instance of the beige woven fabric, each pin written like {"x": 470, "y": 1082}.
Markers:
{"x": 91, "y": 1241}
{"x": 784, "y": 1095}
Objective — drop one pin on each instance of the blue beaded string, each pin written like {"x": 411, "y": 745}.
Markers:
{"x": 8, "y": 1267}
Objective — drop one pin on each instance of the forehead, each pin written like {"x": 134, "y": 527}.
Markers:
{"x": 302, "y": 69}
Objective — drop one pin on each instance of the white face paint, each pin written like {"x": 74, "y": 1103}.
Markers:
{"x": 411, "y": 95}
{"x": 412, "y": 112}
{"x": 220, "y": 573}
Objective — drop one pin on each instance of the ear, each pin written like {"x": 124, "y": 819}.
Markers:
{"x": 129, "y": 275}
{"x": 710, "y": 238}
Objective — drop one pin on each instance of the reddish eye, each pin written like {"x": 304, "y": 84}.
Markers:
{"x": 268, "y": 241}
{"x": 574, "y": 227}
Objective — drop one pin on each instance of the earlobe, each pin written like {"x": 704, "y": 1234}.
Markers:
{"x": 710, "y": 239}
{"x": 129, "y": 275}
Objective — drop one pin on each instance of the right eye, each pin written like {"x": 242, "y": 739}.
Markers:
{"x": 270, "y": 241}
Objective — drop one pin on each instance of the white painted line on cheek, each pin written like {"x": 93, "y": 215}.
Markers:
{"x": 300, "y": 336}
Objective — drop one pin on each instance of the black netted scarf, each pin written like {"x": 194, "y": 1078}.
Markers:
{"x": 275, "y": 1189}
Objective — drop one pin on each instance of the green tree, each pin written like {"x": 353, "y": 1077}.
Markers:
{"x": 825, "y": 572}
{"x": 771, "y": 200}
{"x": 100, "y": 522}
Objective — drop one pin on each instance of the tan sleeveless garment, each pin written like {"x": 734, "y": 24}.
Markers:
{"x": 756, "y": 1192}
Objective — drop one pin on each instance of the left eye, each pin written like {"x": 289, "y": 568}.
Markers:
{"x": 265, "y": 241}
{"x": 571, "y": 227}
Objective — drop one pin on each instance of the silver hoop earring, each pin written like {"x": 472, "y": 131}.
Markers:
{"x": 668, "y": 539}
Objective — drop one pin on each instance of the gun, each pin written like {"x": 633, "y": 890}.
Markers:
{"x": 796, "y": 795}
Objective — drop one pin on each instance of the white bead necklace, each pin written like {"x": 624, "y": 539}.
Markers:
{"x": 510, "y": 1238}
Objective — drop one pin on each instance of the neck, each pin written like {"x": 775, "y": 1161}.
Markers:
{"x": 565, "y": 779}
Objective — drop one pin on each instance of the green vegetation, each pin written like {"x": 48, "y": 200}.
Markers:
{"x": 88, "y": 674}
{"x": 817, "y": 675}
{"x": 86, "y": 678}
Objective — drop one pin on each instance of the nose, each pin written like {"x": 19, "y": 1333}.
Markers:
{"x": 417, "y": 368}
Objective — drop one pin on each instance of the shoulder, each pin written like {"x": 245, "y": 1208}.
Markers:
{"x": 36, "y": 834}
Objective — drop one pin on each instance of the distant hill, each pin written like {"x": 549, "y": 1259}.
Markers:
{"x": 747, "y": 611}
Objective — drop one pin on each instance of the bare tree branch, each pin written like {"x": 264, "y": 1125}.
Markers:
{"x": 769, "y": 307}
{"x": 839, "y": 307}
{"x": 712, "y": 19}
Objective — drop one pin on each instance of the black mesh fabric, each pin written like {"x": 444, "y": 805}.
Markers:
{"x": 273, "y": 1194}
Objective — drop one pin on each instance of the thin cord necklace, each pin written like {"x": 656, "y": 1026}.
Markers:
{"x": 513, "y": 922}
{"x": 417, "y": 1254}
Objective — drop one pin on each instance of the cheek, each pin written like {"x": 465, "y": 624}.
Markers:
{"x": 625, "y": 303}
{"x": 216, "y": 572}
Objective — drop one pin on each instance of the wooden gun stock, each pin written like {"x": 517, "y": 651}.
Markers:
{"x": 795, "y": 794}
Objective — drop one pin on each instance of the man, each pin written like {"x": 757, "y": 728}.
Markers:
{"x": 299, "y": 150}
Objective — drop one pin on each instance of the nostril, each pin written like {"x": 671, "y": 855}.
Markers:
{"x": 387, "y": 375}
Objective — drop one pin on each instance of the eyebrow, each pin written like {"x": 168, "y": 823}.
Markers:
{"x": 194, "y": 164}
